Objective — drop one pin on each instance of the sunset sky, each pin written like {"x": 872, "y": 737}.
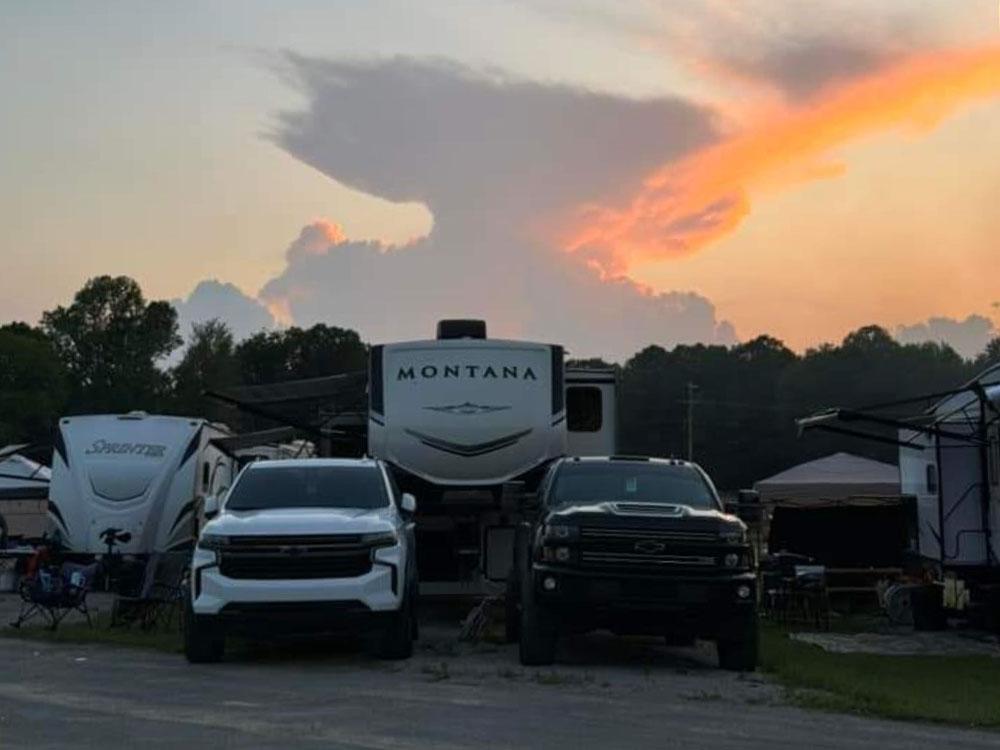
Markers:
{"x": 606, "y": 174}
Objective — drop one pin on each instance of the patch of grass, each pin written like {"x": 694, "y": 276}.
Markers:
{"x": 436, "y": 672}
{"x": 962, "y": 690}
{"x": 553, "y": 677}
{"x": 703, "y": 696}
{"x": 167, "y": 640}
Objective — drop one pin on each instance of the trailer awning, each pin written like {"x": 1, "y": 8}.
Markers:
{"x": 331, "y": 406}
{"x": 958, "y": 414}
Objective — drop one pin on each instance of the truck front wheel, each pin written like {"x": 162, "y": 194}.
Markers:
{"x": 738, "y": 653}
{"x": 538, "y": 631}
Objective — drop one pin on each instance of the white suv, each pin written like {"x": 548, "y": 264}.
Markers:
{"x": 305, "y": 545}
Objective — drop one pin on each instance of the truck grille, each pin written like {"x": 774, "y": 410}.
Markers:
{"x": 657, "y": 535}
{"x": 610, "y": 558}
{"x": 265, "y": 558}
{"x": 657, "y": 549}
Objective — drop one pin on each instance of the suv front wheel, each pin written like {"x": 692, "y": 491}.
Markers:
{"x": 204, "y": 641}
{"x": 396, "y": 641}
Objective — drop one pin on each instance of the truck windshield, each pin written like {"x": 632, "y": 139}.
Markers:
{"x": 309, "y": 487}
{"x": 632, "y": 482}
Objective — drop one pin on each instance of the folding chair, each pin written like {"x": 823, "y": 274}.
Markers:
{"x": 159, "y": 596}
{"x": 53, "y": 593}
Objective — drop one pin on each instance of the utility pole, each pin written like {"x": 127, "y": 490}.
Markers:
{"x": 691, "y": 388}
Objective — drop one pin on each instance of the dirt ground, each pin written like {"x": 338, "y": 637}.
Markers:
{"x": 604, "y": 692}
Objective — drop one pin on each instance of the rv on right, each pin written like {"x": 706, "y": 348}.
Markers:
{"x": 949, "y": 460}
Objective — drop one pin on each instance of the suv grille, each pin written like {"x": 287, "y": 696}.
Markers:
{"x": 295, "y": 557}
{"x": 647, "y": 548}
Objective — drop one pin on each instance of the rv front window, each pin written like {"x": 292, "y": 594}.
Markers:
{"x": 308, "y": 487}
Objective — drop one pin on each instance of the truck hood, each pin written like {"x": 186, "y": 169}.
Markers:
{"x": 301, "y": 522}
{"x": 645, "y": 515}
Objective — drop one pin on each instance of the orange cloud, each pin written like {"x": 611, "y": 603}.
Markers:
{"x": 688, "y": 204}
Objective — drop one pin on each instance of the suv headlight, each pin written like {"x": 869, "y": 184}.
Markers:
{"x": 213, "y": 542}
{"x": 380, "y": 539}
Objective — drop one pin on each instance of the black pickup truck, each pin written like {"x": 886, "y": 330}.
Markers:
{"x": 639, "y": 546}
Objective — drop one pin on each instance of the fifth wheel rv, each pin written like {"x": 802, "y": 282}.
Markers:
{"x": 139, "y": 473}
{"x": 458, "y": 416}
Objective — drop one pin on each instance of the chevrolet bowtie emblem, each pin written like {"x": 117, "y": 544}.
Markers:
{"x": 649, "y": 547}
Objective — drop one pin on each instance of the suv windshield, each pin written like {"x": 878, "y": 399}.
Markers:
{"x": 632, "y": 481}
{"x": 309, "y": 487}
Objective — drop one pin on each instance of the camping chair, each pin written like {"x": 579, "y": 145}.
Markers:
{"x": 160, "y": 595}
{"x": 779, "y": 583}
{"x": 809, "y": 595}
{"x": 55, "y": 592}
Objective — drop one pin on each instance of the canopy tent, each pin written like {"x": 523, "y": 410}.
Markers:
{"x": 818, "y": 505}
{"x": 835, "y": 478}
{"x": 22, "y": 479}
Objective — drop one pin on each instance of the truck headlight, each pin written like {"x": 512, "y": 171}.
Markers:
{"x": 213, "y": 542}
{"x": 734, "y": 535}
{"x": 555, "y": 533}
{"x": 556, "y": 554}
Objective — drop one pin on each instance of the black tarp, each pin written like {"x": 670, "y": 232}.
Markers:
{"x": 863, "y": 533}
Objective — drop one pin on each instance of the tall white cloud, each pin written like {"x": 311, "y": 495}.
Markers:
{"x": 244, "y": 314}
{"x": 497, "y": 162}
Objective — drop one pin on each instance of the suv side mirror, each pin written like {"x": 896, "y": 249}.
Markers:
{"x": 408, "y": 503}
{"x": 210, "y": 506}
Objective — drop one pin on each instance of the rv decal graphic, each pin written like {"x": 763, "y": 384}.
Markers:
{"x": 468, "y": 450}
{"x": 103, "y": 447}
{"x": 467, "y": 372}
{"x": 467, "y": 408}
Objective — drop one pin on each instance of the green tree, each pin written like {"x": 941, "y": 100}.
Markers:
{"x": 990, "y": 355}
{"x": 110, "y": 339}
{"x": 33, "y": 386}
{"x": 295, "y": 353}
{"x": 209, "y": 363}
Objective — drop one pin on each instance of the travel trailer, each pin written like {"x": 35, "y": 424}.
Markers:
{"x": 954, "y": 472}
{"x": 24, "y": 487}
{"x": 949, "y": 460}
{"x": 142, "y": 474}
{"x": 459, "y": 416}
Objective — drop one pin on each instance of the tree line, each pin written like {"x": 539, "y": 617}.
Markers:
{"x": 105, "y": 352}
